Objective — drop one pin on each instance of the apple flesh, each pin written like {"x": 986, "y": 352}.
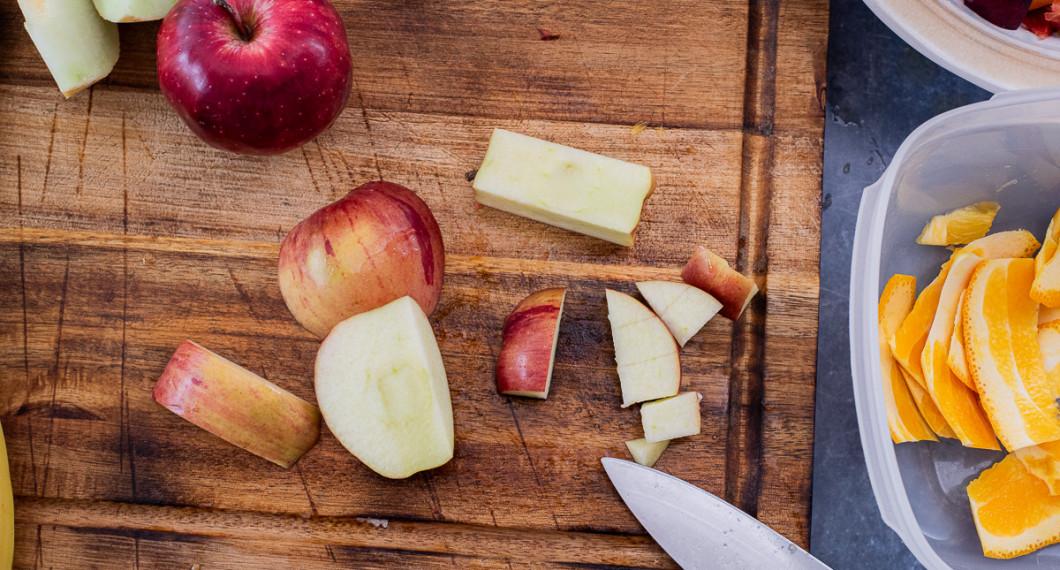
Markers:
{"x": 528, "y": 346}
{"x": 255, "y": 76}
{"x": 573, "y": 189}
{"x": 646, "y": 453}
{"x": 78, "y": 46}
{"x": 712, "y": 274}
{"x": 671, "y": 418}
{"x": 237, "y": 405}
{"x": 133, "y": 10}
{"x": 382, "y": 389}
{"x": 378, "y": 243}
{"x": 683, "y": 308}
{"x": 648, "y": 365}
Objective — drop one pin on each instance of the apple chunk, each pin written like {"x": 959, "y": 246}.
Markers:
{"x": 133, "y": 10}
{"x": 237, "y": 405}
{"x": 528, "y": 348}
{"x": 78, "y": 46}
{"x": 712, "y": 274}
{"x": 671, "y": 418}
{"x": 646, "y": 453}
{"x": 576, "y": 190}
{"x": 684, "y": 308}
{"x": 648, "y": 365}
{"x": 383, "y": 391}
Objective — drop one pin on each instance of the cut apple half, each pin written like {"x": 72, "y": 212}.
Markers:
{"x": 237, "y": 405}
{"x": 648, "y": 365}
{"x": 646, "y": 453}
{"x": 573, "y": 189}
{"x": 903, "y": 415}
{"x": 671, "y": 418}
{"x": 382, "y": 389}
{"x": 712, "y": 274}
{"x": 528, "y": 345}
{"x": 78, "y": 46}
{"x": 683, "y": 308}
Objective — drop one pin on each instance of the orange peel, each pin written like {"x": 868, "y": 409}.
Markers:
{"x": 903, "y": 415}
{"x": 955, "y": 358}
{"x": 1046, "y": 288}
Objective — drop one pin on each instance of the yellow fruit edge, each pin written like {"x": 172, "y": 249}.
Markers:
{"x": 1046, "y": 287}
{"x": 903, "y": 415}
{"x": 941, "y": 229}
{"x": 1007, "y": 546}
{"x": 956, "y": 359}
{"x": 7, "y": 509}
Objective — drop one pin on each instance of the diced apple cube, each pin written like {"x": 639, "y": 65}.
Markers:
{"x": 646, "y": 453}
{"x": 78, "y": 46}
{"x": 576, "y": 190}
{"x": 671, "y": 418}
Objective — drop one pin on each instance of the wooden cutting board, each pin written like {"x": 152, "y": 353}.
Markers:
{"x": 121, "y": 235}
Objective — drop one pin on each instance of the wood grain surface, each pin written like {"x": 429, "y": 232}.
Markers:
{"x": 121, "y": 235}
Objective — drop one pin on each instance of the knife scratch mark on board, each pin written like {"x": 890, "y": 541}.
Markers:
{"x": 436, "y": 506}
{"x": 51, "y": 146}
{"x": 523, "y": 441}
{"x": 312, "y": 177}
{"x": 55, "y": 377}
{"x": 84, "y": 144}
{"x": 309, "y": 497}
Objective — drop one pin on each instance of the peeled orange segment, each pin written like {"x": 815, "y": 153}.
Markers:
{"x": 1046, "y": 288}
{"x": 928, "y": 410}
{"x": 955, "y": 359}
{"x": 1043, "y": 461}
{"x": 903, "y": 417}
{"x": 1049, "y": 344}
{"x": 1014, "y": 511}
{"x": 962, "y": 225}
{"x": 1001, "y": 342}
{"x": 1000, "y": 245}
{"x": 907, "y": 343}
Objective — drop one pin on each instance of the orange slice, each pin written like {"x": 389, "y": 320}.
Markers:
{"x": 1046, "y": 314}
{"x": 928, "y": 410}
{"x": 1014, "y": 511}
{"x": 1049, "y": 344}
{"x": 1001, "y": 342}
{"x": 1046, "y": 288}
{"x": 907, "y": 344}
{"x": 1043, "y": 461}
{"x": 962, "y": 225}
{"x": 955, "y": 359}
{"x": 903, "y": 416}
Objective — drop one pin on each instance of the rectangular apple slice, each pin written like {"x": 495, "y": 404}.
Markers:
{"x": 573, "y": 189}
{"x": 133, "y": 10}
{"x": 237, "y": 405}
{"x": 903, "y": 415}
{"x": 712, "y": 274}
{"x": 78, "y": 46}
{"x": 528, "y": 345}
{"x": 648, "y": 365}
{"x": 671, "y": 418}
{"x": 683, "y": 308}
{"x": 646, "y": 453}
{"x": 383, "y": 390}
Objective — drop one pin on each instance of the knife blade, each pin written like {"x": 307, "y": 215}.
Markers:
{"x": 699, "y": 530}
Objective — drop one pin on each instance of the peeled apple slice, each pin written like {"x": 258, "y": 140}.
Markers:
{"x": 1046, "y": 287}
{"x": 7, "y": 509}
{"x": 903, "y": 417}
{"x": 78, "y": 46}
{"x": 133, "y": 10}
{"x": 683, "y": 308}
{"x": 962, "y": 225}
{"x": 1001, "y": 332}
{"x": 649, "y": 367}
{"x": 1014, "y": 511}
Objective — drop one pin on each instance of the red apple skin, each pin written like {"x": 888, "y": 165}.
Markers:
{"x": 237, "y": 405}
{"x": 524, "y": 365}
{"x": 712, "y": 274}
{"x": 270, "y": 94}
{"x": 378, "y": 243}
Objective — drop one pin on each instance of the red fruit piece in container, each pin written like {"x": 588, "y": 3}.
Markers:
{"x": 1007, "y": 14}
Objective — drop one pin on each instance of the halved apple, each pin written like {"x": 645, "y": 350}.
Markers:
{"x": 648, "y": 365}
{"x": 133, "y": 10}
{"x": 382, "y": 389}
{"x": 78, "y": 46}
{"x": 528, "y": 346}
{"x": 573, "y": 189}
{"x": 683, "y": 308}
{"x": 237, "y": 405}
{"x": 712, "y": 274}
{"x": 646, "y": 453}
{"x": 671, "y": 418}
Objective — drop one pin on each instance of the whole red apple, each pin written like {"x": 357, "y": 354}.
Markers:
{"x": 378, "y": 243}
{"x": 255, "y": 76}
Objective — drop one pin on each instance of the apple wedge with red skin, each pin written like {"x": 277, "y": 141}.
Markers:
{"x": 712, "y": 274}
{"x": 528, "y": 348}
{"x": 237, "y": 405}
{"x": 378, "y": 243}
{"x": 255, "y": 76}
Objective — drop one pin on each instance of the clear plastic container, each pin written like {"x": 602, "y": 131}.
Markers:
{"x": 1005, "y": 150}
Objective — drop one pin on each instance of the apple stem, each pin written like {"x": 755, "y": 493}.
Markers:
{"x": 244, "y": 31}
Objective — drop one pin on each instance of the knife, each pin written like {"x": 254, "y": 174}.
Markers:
{"x": 699, "y": 530}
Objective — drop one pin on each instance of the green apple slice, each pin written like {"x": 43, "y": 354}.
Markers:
{"x": 646, "y": 453}
{"x": 563, "y": 186}
{"x": 382, "y": 389}
{"x": 133, "y": 10}
{"x": 671, "y": 418}
{"x": 78, "y": 46}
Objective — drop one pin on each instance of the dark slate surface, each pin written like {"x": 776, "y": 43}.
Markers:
{"x": 879, "y": 90}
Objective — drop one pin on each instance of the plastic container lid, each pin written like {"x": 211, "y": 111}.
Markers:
{"x": 1005, "y": 150}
